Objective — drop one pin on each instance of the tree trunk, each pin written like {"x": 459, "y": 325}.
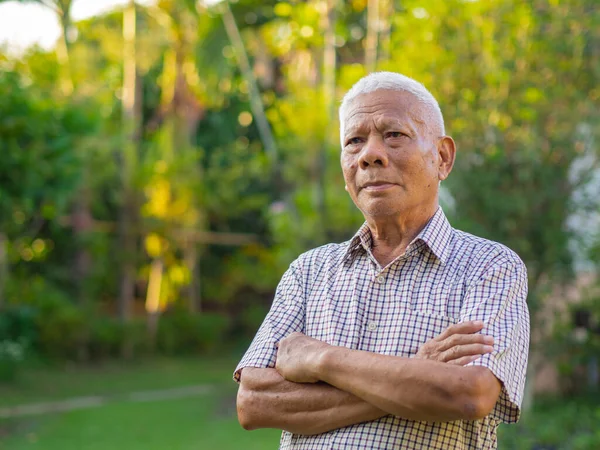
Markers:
{"x": 329, "y": 68}
{"x": 128, "y": 213}
{"x": 194, "y": 297}
{"x": 371, "y": 42}
{"x": 187, "y": 113}
{"x": 81, "y": 217}
{"x": 385, "y": 30}
{"x": 82, "y": 226}
{"x": 128, "y": 163}
{"x": 153, "y": 300}
{"x": 3, "y": 268}
{"x": 256, "y": 104}
{"x": 62, "y": 54}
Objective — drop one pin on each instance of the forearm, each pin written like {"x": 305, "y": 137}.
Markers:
{"x": 267, "y": 400}
{"x": 411, "y": 388}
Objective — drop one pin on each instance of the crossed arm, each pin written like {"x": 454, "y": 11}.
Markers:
{"x": 267, "y": 400}
{"x": 316, "y": 387}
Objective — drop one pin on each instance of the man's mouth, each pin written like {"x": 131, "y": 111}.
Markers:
{"x": 377, "y": 185}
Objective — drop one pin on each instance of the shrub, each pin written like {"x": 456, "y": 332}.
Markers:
{"x": 108, "y": 336}
{"x": 135, "y": 332}
{"x": 182, "y": 333}
{"x": 18, "y": 322}
{"x": 105, "y": 337}
{"x": 11, "y": 355}
{"x": 251, "y": 318}
{"x": 62, "y": 330}
{"x": 58, "y": 327}
{"x": 566, "y": 424}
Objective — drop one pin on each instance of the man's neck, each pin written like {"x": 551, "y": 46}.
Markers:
{"x": 392, "y": 234}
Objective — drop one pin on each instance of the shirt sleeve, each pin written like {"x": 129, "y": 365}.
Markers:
{"x": 499, "y": 299}
{"x": 286, "y": 316}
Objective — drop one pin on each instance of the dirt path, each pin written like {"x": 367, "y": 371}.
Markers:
{"x": 76, "y": 403}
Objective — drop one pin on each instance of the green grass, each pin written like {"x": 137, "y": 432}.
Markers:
{"x": 196, "y": 422}
{"x": 191, "y": 423}
{"x": 568, "y": 423}
{"x": 208, "y": 421}
{"x": 45, "y": 383}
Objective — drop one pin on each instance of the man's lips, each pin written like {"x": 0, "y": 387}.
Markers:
{"x": 377, "y": 186}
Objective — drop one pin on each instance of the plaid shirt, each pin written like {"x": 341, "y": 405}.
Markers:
{"x": 339, "y": 294}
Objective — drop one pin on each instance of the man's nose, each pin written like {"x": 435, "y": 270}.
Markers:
{"x": 373, "y": 153}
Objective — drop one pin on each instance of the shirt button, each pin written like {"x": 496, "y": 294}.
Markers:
{"x": 381, "y": 279}
{"x": 371, "y": 326}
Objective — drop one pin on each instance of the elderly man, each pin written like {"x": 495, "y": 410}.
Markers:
{"x": 412, "y": 335}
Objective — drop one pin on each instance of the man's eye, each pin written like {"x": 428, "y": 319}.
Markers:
{"x": 395, "y": 134}
{"x": 353, "y": 141}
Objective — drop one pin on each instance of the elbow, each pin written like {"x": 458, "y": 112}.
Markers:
{"x": 482, "y": 394}
{"x": 474, "y": 409}
{"x": 245, "y": 406}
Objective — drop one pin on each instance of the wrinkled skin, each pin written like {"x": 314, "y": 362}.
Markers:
{"x": 392, "y": 162}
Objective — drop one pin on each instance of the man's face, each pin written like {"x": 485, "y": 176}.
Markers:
{"x": 390, "y": 161}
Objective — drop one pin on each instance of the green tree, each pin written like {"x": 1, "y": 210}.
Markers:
{"x": 40, "y": 167}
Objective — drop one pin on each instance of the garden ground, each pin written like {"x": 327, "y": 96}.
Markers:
{"x": 204, "y": 419}
{"x": 189, "y": 403}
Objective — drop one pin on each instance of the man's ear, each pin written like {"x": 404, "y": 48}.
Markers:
{"x": 447, "y": 153}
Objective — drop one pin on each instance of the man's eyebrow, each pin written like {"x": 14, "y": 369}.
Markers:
{"x": 417, "y": 119}
{"x": 352, "y": 129}
{"x": 402, "y": 123}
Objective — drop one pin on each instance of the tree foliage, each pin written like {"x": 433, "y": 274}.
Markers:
{"x": 517, "y": 82}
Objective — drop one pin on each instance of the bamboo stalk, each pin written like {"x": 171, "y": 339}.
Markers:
{"x": 372, "y": 39}
{"x": 256, "y": 104}
{"x": 3, "y": 268}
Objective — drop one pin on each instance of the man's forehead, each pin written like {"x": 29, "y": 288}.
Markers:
{"x": 385, "y": 106}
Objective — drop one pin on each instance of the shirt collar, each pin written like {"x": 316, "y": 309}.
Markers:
{"x": 437, "y": 234}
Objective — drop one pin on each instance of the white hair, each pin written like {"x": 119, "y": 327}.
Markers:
{"x": 396, "y": 82}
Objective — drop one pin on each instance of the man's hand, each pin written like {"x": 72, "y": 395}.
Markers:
{"x": 297, "y": 356}
{"x": 459, "y": 344}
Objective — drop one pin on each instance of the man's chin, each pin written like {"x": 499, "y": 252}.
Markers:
{"x": 383, "y": 209}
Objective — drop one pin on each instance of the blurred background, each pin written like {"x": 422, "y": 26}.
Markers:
{"x": 162, "y": 162}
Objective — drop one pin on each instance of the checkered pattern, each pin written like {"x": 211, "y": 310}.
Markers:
{"x": 339, "y": 294}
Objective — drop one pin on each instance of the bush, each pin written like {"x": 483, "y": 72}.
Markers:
{"x": 61, "y": 330}
{"x": 17, "y": 332}
{"x": 18, "y": 323}
{"x": 251, "y": 318}
{"x": 105, "y": 337}
{"x": 135, "y": 332}
{"x": 11, "y": 355}
{"x": 565, "y": 424}
{"x": 180, "y": 332}
{"x": 56, "y": 327}
{"x": 108, "y": 337}
{"x": 42, "y": 315}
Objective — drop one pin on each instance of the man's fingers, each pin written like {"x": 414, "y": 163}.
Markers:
{"x": 468, "y": 327}
{"x": 464, "y": 339}
{"x": 464, "y": 360}
{"x": 460, "y": 351}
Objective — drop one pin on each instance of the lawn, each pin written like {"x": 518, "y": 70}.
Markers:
{"x": 205, "y": 421}
{"x": 43, "y": 383}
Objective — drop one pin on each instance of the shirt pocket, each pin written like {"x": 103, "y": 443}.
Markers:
{"x": 416, "y": 328}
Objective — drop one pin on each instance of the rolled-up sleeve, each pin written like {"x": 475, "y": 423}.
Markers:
{"x": 286, "y": 316}
{"x": 499, "y": 299}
